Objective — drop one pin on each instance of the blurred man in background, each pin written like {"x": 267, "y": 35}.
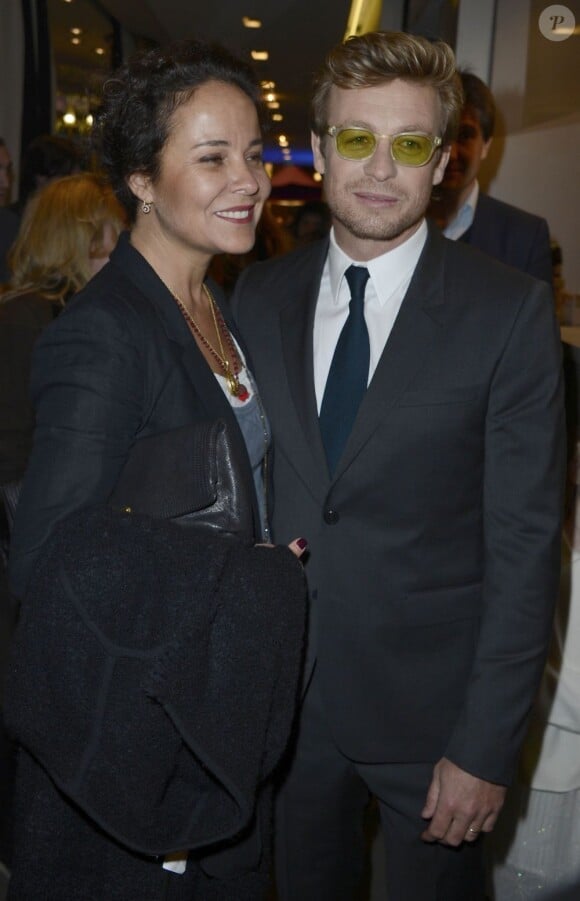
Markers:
{"x": 507, "y": 233}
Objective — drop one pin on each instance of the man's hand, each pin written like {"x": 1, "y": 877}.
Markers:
{"x": 460, "y": 805}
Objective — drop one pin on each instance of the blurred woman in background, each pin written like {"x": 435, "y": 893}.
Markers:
{"x": 66, "y": 235}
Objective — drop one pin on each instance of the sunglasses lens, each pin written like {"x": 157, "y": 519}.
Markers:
{"x": 355, "y": 143}
{"x": 412, "y": 150}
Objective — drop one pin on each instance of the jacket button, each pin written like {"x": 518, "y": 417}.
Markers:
{"x": 331, "y": 516}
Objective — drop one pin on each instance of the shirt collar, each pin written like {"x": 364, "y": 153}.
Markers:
{"x": 386, "y": 271}
{"x": 463, "y": 219}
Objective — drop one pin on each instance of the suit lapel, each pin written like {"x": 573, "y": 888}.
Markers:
{"x": 135, "y": 267}
{"x": 413, "y": 338}
{"x": 296, "y": 322}
{"x": 168, "y": 317}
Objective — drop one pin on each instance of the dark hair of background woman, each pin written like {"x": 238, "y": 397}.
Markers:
{"x": 140, "y": 98}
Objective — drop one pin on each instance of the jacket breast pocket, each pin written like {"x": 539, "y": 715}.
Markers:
{"x": 460, "y": 394}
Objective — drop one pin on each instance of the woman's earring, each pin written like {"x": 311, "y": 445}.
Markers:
{"x": 146, "y": 207}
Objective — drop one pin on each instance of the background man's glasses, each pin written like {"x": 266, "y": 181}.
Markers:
{"x": 406, "y": 149}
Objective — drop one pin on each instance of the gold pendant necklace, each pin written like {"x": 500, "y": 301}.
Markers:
{"x": 235, "y": 387}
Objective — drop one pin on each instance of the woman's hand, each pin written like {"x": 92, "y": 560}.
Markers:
{"x": 298, "y": 546}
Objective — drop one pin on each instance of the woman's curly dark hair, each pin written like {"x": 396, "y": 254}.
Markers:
{"x": 141, "y": 96}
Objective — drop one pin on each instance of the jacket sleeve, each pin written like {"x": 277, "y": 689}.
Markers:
{"x": 522, "y": 503}
{"x": 86, "y": 388}
{"x": 540, "y": 256}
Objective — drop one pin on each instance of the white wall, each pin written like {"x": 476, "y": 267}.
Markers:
{"x": 535, "y": 159}
{"x": 540, "y": 171}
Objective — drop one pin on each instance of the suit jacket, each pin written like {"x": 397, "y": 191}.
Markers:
{"x": 434, "y": 549}
{"x": 513, "y": 236}
{"x": 117, "y": 366}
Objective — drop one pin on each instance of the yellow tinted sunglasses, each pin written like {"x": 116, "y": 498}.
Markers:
{"x": 353, "y": 143}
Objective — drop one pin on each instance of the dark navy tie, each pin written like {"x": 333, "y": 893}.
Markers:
{"x": 349, "y": 372}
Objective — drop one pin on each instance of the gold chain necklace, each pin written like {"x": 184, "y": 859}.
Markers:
{"x": 235, "y": 387}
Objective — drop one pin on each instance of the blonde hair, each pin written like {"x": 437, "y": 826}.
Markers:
{"x": 382, "y": 56}
{"x": 61, "y": 230}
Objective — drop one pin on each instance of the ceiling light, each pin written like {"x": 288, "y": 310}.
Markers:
{"x": 270, "y": 97}
{"x": 248, "y": 22}
{"x": 260, "y": 55}
{"x": 274, "y": 104}
{"x": 69, "y": 118}
{"x": 89, "y": 119}
{"x": 75, "y": 40}
{"x": 277, "y": 117}
{"x": 317, "y": 176}
{"x": 99, "y": 51}
{"x": 268, "y": 85}
{"x": 76, "y": 31}
{"x": 282, "y": 139}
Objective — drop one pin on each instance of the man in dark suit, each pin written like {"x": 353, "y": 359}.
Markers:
{"x": 432, "y": 511}
{"x": 507, "y": 233}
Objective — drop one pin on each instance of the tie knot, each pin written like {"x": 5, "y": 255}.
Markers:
{"x": 357, "y": 278}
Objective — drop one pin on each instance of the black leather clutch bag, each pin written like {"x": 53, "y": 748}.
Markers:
{"x": 192, "y": 475}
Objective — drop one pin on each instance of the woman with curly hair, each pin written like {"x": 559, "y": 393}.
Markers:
{"x": 163, "y": 791}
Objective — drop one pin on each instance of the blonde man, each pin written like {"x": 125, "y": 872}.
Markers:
{"x": 414, "y": 393}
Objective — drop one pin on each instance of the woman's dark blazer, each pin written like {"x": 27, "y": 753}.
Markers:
{"x": 117, "y": 366}
{"x": 22, "y": 319}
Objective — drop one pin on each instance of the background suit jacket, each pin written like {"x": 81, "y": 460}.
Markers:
{"x": 117, "y": 366}
{"x": 513, "y": 236}
{"x": 434, "y": 549}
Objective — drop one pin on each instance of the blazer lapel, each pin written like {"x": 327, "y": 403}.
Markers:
{"x": 413, "y": 338}
{"x": 296, "y": 324}
{"x": 141, "y": 273}
{"x": 187, "y": 354}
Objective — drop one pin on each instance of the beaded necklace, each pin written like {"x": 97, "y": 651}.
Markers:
{"x": 231, "y": 372}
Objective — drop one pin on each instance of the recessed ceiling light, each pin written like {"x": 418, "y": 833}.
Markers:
{"x": 277, "y": 117}
{"x": 76, "y": 31}
{"x": 260, "y": 54}
{"x": 248, "y": 22}
{"x": 271, "y": 96}
{"x": 99, "y": 51}
{"x": 268, "y": 85}
{"x": 69, "y": 118}
{"x": 282, "y": 139}
{"x": 75, "y": 40}
{"x": 274, "y": 104}
{"x": 89, "y": 119}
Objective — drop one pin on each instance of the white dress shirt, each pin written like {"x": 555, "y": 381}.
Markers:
{"x": 389, "y": 278}
{"x": 463, "y": 220}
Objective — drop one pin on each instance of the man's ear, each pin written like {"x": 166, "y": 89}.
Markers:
{"x": 140, "y": 185}
{"x": 316, "y": 143}
{"x": 485, "y": 148}
{"x": 439, "y": 170}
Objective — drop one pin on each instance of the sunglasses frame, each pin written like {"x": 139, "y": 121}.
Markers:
{"x": 335, "y": 130}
